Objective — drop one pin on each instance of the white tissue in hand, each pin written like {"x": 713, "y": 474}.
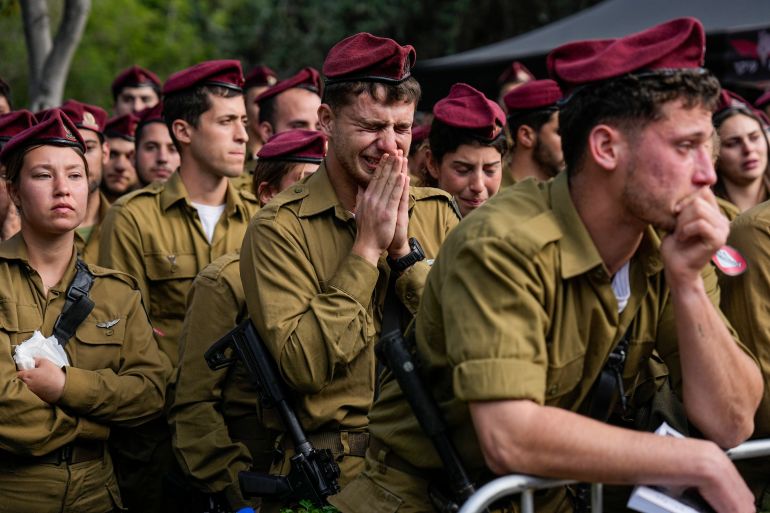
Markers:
{"x": 38, "y": 346}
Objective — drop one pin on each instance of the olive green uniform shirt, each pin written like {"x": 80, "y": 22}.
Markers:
{"x": 213, "y": 414}
{"x": 519, "y": 305}
{"x": 89, "y": 249}
{"x": 155, "y": 235}
{"x": 318, "y": 306}
{"x": 116, "y": 377}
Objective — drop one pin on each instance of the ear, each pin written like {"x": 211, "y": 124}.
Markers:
{"x": 431, "y": 164}
{"x": 526, "y": 137}
{"x": 13, "y": 193}
{"x": 265, "y": 131}
{"x": 326, "y": 119}
{"x": 265, "y": 193}
{"x": 604, "y": 146}
{"x": 182, "y": 131}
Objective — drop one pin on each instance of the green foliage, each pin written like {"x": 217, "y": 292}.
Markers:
{"x": 168, "y": 35}
{"x": 307, "y": 506}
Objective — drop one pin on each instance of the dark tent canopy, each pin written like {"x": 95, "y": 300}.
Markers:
{"x": 741, "y": 19}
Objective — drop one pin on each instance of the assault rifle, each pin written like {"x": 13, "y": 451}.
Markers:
{"x": 314, "y": 472}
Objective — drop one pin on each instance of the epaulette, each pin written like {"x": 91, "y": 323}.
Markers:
{"x": 152, "y": 189}
{"x": 291, "y": 194}
{"x": 103, "y": 272}
{"x": 213, "y": 270}
{"x": 247, "y": 195}
{"x": 423, "y": 193}
{"x": 536, "y": 233}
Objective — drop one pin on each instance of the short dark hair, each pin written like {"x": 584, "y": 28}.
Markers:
{"x": 631, "y": 102}
{"x": 189, "y": 104}
{"x": 341, "y": 94}
{"x": 5, "y": 90}
{"x": 267, "y": 110}
{"x": 446, "y": 139}
{"x": 140, "y": 131}
{"x": 149, "y": 85}
{"x": 532, "y": 118}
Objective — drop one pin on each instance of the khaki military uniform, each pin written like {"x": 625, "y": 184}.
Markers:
{"x": 729, "y": 210}
{"x": 89, "y": 249}
{"x": 116, "y": 378}
{"x": 155, "y": 235}
{"x": 318, "y": 307}
{"x": 518, "y": 306}
{"x": 213, "y": 414}
{"x": 745, "y": 303}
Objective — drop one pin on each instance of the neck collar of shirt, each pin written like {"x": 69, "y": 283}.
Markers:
{"x": 174, "y": 191}
{"x": 576, "y": 248}
{"x": 15, "y": 248}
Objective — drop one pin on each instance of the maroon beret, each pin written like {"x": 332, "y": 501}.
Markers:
{"x": 364, "y": 57}
{"x": 14, "y": 122}
{"x": 134, "y": 77}
{"x": 260, "y": 76}
{"x": 295, "y": 146}
{"x": 306, "y": 78}
{"x": 420, "y": 133}
{"x": 468, "y": 109}
{"x": 534, "y": 95}
{"x": 676, "y": 44}
{"x": 223, "y": 73}
{"x": 762, "y": 100}
{"x": 122, "y": 126}
{"x": 516, "y": 72}
{"x": 151, "y": 114}
{"x": 55, "y": 129}
{"x": 731, "y": 103}
{"x": 85, "y": 115}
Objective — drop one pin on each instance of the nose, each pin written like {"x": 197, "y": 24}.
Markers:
{"x": 162, "y": 155}
{"x": 386, "y": 141}
{"x": 476, "y": 183}
{"x": 705, "y": 174}
{"x": 240, "y": 133}
{"x": 61, "y": 185}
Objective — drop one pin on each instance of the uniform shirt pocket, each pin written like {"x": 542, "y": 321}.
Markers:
{"x": 170, "y": 276}
{"x": 98, "y": 347}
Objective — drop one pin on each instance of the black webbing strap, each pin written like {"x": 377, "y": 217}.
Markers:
{"x": 77, "y": 306}
{"x": 609, "y": 385}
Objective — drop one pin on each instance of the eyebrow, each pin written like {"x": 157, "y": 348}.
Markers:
{"x": 51, "y": 167}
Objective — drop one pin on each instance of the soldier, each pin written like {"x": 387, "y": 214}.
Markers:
{"x": 467, "y": 144}
{"x": 763, "y": 103}
{"x": 418, "y": 173}
{"x": 156, "y": 155}
{"x": 135, "y": 89}
{"x": 290, "y": 104}
{"x": 742, "y": 165}
{"x": 512, "y": 77}
{"x": 317, "y": 259}
{"x": 10, "y": 125}
{"x": 5, "y": 97}
{"x": 257, "y": 81}
{"x": 166, "y": 233}
{"x": 52, "y": 441}
{"x": 216, "y": 429}
{"x": 90, "y": 121}
{"x": 119, "y": 172}
{"x": 533, "y": 123}
{"x": 532, "y": 294}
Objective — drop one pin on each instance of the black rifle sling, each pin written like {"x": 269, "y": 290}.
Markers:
{"x": 77, "y": 306}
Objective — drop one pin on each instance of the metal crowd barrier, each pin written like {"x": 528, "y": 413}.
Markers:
{"x": 527, "y": 485}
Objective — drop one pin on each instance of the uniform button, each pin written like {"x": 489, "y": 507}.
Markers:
{"x": 553, "y": 389}
{"x": 410, "y": 295}
{"x": 297, "y": 190}
{"x": 110, "y": 333}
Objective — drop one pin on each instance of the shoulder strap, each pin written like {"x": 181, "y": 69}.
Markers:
{"x": 77, "y": 306}
{"x": 608, "y": 387}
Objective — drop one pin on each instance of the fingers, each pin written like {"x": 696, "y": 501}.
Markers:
{"x": 700, "y": 219}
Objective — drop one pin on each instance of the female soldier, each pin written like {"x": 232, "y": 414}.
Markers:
{"x": 54, "y": 420}
{"x": 742, "y": 164}
{"x": 467, "y": 145}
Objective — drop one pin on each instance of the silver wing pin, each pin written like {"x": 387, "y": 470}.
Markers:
{"x": 107, "y": 324}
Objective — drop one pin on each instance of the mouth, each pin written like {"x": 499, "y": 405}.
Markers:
{"x": 750, "y": 164}
{"x": 161, "y": 172}
{"x": 473, "y": 203}
{"x": 62, "y": 208}
{"x": 370, "y": 163}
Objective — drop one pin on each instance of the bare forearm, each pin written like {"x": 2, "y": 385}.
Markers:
{"x": 722, "y": 386}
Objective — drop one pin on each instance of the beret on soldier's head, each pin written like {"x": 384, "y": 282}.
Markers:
{"x": 54, "y": 129}
{"x": 420, "y": 133}
{"x": 367, "y": 58}
{"x": 151, "y": 114}
{"x": 260, "y": 76}
{"x": 468, "y": 109}
{"x": 307, "y": 78}
{"x": 14, "y": 122}
{"x": 295, "y": 146}
{"x": 223, "y": 73}
{"x": 85, "y": 115}
{"x": 534, "y": 95}
{"x": 731, "y": 103}
{"x": 134, "y": 76}
{"x": 676, "y": 44}
{"x": 516, "y": 72}
{"x": 763, "y": 100}
{"x": 122, "y": 126}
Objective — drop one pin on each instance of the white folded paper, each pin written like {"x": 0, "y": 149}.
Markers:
{"x": 37, "y": 346}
